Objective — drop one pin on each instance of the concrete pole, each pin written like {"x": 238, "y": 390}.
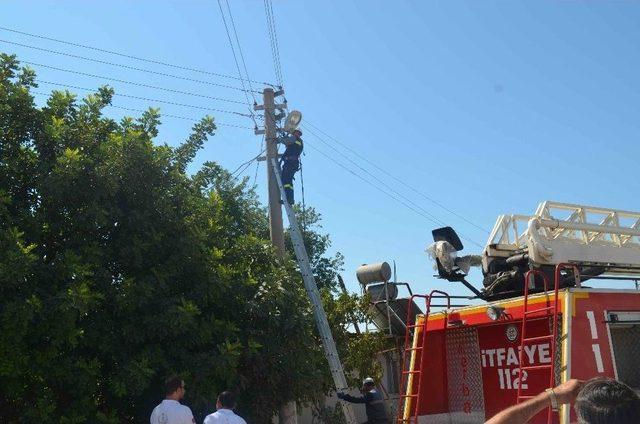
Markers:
{"x": 288, "y": 414}
{"x": 275, "y": 209}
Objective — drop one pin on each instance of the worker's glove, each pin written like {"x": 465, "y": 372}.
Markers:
{"x": 340, "y": 395}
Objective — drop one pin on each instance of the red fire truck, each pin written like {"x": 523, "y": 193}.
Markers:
{"x": 542, "y": 323}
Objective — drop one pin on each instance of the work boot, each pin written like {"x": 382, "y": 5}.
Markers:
{"x": 289, "y": 194}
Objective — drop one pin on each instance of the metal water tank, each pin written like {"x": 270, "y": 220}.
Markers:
{"x": 377, "y": 291}
{"x": 373, "y": 273}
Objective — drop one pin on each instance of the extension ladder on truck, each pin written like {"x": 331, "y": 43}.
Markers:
{"x": 550, "y": 311}
{"x": 413, "y": 358}
{"x": 330, "y": 351}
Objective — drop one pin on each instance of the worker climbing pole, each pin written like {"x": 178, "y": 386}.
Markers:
{"x": 277, "y": 191}
{"x": 290, "y": 161}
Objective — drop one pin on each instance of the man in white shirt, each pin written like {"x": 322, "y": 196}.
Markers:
{"x": 224, "y": 414}
{"x": 171, "y": 411}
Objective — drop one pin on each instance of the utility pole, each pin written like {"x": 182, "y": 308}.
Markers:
{"x": 288, "y": 413}
{"x": 270, "y": 134}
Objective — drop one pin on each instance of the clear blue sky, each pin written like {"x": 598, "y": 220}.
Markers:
{"x": 489, "y": 107}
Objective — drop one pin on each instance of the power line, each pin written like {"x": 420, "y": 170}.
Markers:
{"x": 239, "y": 171}
{"x": 134, "y": 83}
{"x": 275, "y": 52}
{"x": 390, "y": 191}
{"x": 235, "y": 59}
{"x": 119, "y": 80}
{"x": 244, "y": 64}
{"x": 221, "y": 124}
{"x": 387, "y": 173}
{"x": 277, "y": 44}
{"x": 140, "y": 98}
{"x": 233, "y": 50}
{"x": 245, "y": 165}
{"x": 129, "y": 96}
{"x": 119, "y": 65}
{"x": 255, "y": 176}
{"x": 435, "y": 219}
{"x": 275, "y": 68}
{"x": 217, "y": 124}
{"x": 128, "y": 56}
{"x": 349, "y": 170}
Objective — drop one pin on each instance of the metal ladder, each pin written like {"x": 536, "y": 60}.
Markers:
{"x": 408, "y": 413}
{"x": 330, "y": 351}
{"x": 549, "y": 311}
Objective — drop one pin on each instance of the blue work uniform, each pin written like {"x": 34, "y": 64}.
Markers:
{"x": 290, "y": 163}
{"x": 374, "y": 406}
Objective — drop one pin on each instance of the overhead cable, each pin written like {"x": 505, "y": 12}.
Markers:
{"x": 129, "y": 96}
{"x": 217, "y": 124}
{"x": 372, "y": 175}
{"x": 132, "y": 68}
{"x": 115, "y": 79}
{"x": 133, "y": 83}
{"x": 390, "y": 191}
{"x": 275, "y": 52}
{"x": 128, "y": 56}
{"x": 245, "y": 165}
{"x": 255, "y": 176}
{"x": 244, "y": 64}
{"x": 167, "y": 115}
{"x": 275, "y": 36}
{"x": 410, "y": 187}
{"x": 351, "y": 171}
{"x": 235, "y": 59}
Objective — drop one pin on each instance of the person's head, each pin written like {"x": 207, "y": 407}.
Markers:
{"x": 297, "y": 133}
{"x": 174, "y": 388}
{"x": 607, "y": 401}
{"x": 368, "y": 384}
{"x": 226, "y": 400}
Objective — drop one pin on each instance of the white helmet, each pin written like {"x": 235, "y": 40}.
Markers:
{"x": 368, "y": 380}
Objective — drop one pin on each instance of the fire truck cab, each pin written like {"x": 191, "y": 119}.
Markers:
{"x": 543, "y": 322}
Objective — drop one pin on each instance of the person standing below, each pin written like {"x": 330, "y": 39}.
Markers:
{"x": 290, "y": 161}
{"x": 374, "y": 403}
{"x": 171, "y": 411}
{"x": 224, "y": 415}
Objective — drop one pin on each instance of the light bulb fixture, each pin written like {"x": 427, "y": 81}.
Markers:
{"x": 293, "y": 120}
{"x": 495, "y": 312}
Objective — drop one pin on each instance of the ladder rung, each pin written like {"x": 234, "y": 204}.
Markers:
{"x": 535, "y": 339}
{"x": 536, "y": 367}
{"x": 411, "y": 372}
{"x": 413, "y": 348}
{"x": 546, "y": 308}
{"x": 409, "y": 396}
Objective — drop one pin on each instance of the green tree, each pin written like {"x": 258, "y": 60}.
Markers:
{"x": 118, "y": 268}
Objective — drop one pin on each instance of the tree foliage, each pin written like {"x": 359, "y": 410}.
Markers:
{"x": 118, "y": 268}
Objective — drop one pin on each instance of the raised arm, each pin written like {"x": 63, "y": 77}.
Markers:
{"x": 523, "y": 412}
{"x": 352, "y": 399}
